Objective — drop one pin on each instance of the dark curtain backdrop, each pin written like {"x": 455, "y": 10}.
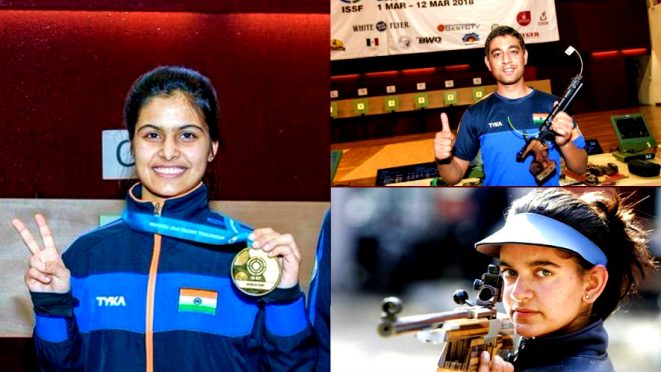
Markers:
{"x": 64, "y": 75}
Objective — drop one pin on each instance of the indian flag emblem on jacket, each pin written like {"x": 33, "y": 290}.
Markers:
{"x": 538, "y": 118}
{"x": 198, "y": 301}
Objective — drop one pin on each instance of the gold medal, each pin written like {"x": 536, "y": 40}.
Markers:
{"x": 255, "y": 273}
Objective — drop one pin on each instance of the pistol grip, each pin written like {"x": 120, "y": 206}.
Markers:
{"x": 529, "y": 146}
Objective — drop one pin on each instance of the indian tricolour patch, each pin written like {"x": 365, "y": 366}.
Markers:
{"x": 198, "y": 301}
{"x": 538, "y": 118}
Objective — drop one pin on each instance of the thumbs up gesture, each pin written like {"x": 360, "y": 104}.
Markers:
{"x": 444, "y": 140}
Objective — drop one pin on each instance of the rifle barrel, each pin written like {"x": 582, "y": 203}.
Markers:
{"x": 392, "y": 327}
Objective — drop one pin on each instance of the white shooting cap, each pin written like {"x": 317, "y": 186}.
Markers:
{"x": 536, "y": 229}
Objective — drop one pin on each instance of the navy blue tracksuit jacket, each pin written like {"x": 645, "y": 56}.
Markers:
{"x": 124, "y": 313}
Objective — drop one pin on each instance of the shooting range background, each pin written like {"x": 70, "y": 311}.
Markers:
{"x": 613, "y": 80}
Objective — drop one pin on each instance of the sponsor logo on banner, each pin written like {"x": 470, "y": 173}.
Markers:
{"x": 471, "y": 38}
{"x": 530, "y": 35}
{"x": 404, "y": 42}
{"x": 523, "y": 18}
{"x": 362, "y": 28}
{"x": 366, "y": 28}
{"x": 379, "y": 26}
{"x": 429, "y": 39}
{"x": 337, "y": 45}
{"x": 351, "y": 8}
{"x": 458, "y": 27}
{"x": 372, "y": 42}
{"x": 399, "y": 25}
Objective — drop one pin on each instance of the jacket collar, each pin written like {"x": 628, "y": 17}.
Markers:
{"x": 589, "y": 341}
{"x": 192, "y": 206}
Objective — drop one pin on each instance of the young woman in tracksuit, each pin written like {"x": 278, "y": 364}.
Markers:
{"x": 567, "y": 262}
{"x": 127, "y": 299}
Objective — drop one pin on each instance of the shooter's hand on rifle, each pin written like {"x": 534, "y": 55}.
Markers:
{"x": 562, "y": 125}
{"x": 576, "y": 158}
{"x": 495, "y": 365}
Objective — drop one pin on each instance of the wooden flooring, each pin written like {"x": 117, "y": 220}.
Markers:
{"x": 361, "y": 158}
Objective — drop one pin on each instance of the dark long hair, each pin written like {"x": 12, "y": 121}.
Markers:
{"x": 608, "y": 221}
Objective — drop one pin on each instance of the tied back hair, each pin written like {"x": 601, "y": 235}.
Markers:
{"x": 609, "y": 221}
{"x": 168, "y": 81}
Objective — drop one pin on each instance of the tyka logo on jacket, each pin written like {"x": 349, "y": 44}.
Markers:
{"x": 106, "y": 301}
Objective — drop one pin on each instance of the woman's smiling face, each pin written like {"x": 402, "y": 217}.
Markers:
{"x": 543, "y": 292}
{"x": 171, "y": 146}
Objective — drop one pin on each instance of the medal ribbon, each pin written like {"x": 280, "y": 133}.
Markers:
{"x": 201, "y": 233}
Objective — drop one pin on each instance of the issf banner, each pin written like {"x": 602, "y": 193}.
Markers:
{"x": 371, "y": 28}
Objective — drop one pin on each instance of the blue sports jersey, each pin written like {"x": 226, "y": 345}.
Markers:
{"x": 497, "y": 125}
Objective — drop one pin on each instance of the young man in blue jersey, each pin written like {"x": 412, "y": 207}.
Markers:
{"x": 499, "y": 124}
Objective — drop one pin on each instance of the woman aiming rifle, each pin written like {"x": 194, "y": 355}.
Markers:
{"x": 568, "y": 261}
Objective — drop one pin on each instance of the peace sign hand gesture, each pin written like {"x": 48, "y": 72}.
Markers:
{"x": 47, "y": 272}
